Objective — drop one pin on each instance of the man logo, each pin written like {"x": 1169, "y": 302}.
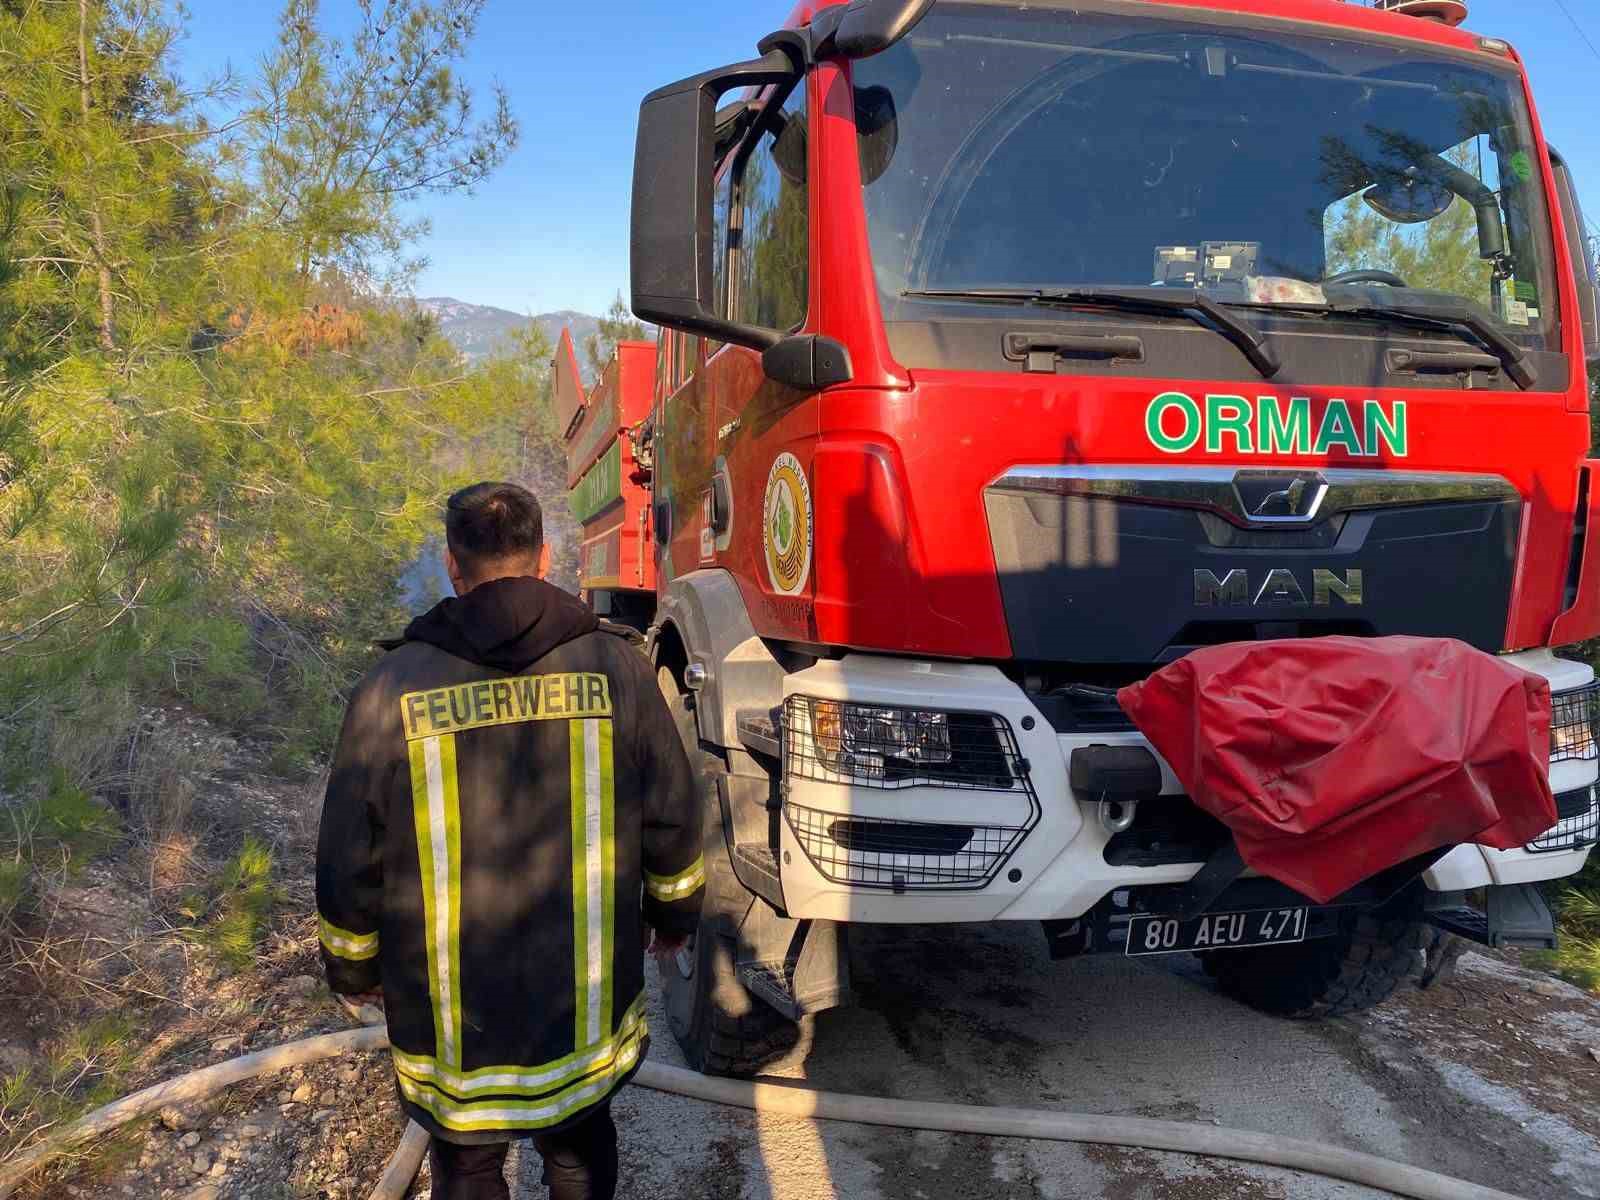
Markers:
{"x": 1279, "y": 589}
{"x": 1280, "y": 497}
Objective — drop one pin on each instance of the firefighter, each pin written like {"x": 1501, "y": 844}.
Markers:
{"x": 510, "y": 806}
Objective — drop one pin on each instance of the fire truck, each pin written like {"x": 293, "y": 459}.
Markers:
{"x": 1011, "y": 353}
{"x": 599, "y": 429}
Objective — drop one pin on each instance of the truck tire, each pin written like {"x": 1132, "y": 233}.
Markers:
{"x": 1351, "y": 972}
{"x": 721, "y": 1028}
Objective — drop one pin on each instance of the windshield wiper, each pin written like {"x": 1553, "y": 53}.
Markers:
{"x": 1453, "y": 319}
{"x": 1188, "y": 301}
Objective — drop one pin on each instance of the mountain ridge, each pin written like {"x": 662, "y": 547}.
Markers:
{"x": 480, "y": 330}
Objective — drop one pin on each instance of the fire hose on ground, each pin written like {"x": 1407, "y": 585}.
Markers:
{"x": 792, "y": 1100}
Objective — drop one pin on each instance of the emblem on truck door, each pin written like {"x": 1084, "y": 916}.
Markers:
{"x": 786, "y": 525}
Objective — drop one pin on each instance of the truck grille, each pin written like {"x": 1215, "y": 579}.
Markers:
{"x": 903, "y": 856}
{"x": 1579, "y": 825}
{"x": 1573, "y": 718}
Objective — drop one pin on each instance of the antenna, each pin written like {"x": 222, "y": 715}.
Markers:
{"x": 1448, "y": 12}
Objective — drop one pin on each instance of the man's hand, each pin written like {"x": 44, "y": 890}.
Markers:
{"x": 366, "y": 1007}
{"x": 664, "y": 945}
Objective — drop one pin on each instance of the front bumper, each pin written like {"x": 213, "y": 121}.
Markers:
{"x": 1037, "y": 852}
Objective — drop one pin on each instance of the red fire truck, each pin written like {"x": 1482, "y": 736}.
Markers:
{"x": 599, "y": 427}
{"x": 1012, "y": 351}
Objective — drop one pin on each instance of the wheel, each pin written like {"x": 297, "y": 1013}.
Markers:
{"x": 1355, "y": 970}
{"x": 721, "y": 1027}
{"x": 1388, "y": 278}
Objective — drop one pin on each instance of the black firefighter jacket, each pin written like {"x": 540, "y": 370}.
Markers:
{"x": 509, "y": 789}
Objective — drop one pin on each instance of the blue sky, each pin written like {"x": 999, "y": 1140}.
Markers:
{"x": 550, "y": 230}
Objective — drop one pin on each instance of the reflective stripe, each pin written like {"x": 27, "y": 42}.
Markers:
{"x": 436, "y": 810}
{"x": 608, "y": 872}
{"x": 593, "y": 877}
{"x": 537, "y": 1081}
{"x": 343, "y": 944}
{"x": 467, "y": 1115}
{"x": 676, "y": 887}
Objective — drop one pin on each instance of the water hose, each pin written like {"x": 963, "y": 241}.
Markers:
{"x": 196, "y": 1085}
{"x": 792, "y": 1100}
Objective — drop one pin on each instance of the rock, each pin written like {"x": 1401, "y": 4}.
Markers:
{"x": 201, "y": 1163}
{"x": 302, "y": 1094}
{"x": 1552, "y": 988}
{"x": 225, "y": 1044}
{"x": 249, "y": 1130}
{"x": 14, "y": 1058}
{"x": 328, "y": 1098}
{"x": 302, "y": 985}
{"x": 182, "y": 1117}
{"x": 322, "y": 1114}
{"x": 1594, "y": 1053}
{"x": 218, "y": 1170}
{"x": 189, "y": 1141}
{"x": 206, "y": 1191}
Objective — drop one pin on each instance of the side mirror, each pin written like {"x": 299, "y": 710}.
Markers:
{"x": 1409, "y": 199}
{"x": 674, "y": 160}
{"x": 1578, "y": 248}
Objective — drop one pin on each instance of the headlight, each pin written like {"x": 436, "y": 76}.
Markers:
{"x": 859, "y": 739}
{"x": 1574, "y": 717}
{"x": 879, "y": 745}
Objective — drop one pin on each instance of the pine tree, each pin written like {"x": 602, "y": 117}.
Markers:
{"x": 618, "y": 325}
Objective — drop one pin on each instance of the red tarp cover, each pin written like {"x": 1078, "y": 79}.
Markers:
{"x": 1334, "y": 758}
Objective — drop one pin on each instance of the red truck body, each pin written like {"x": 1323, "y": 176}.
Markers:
{"x": 603, "y": 473}
{"x": 898, "y": 459}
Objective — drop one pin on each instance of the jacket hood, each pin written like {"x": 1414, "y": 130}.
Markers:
{"x": 505, "y": 623}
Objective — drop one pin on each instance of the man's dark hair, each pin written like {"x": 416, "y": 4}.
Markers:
{"x": 491, "y": 521}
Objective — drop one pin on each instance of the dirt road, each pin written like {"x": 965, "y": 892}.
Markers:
{"x": 1489, "y": 1078}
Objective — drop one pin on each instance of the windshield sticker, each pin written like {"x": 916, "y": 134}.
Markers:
{"x": 786, "y": 525}
{"x": 1522, "y": 166}
{"x": 1176, "y": 423}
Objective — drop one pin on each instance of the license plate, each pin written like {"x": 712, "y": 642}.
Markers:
{"x": 1216, "y": 931}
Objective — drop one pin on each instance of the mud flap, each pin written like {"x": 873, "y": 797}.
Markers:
{"x": 798, "y": 967}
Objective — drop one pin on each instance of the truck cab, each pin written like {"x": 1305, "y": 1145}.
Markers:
{"x": 1012, "y": 351}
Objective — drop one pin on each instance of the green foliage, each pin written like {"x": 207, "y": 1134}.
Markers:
{"x": 219, "y": 444}
{"x": 343, "y": 132}
{"x": 73, "y": 821}
{"x": 1442, "y": 254}
{"x": 85, "y": 1067}
{"x": 618, "y": 325}
{"x": 231, "y": 918}
{"x": 1577, "y": 906}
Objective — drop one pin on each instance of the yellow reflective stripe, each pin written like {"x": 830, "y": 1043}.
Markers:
{"x": 676, "y": 887}
{"x": 521, "y": 1080}
{"x": 343, "y": 944}
{"x": 593, "y": 873}
{"x": 436, "y": 812}
{"x": 608, "y": 872}
{"x": 580, "y": 890}
{"x": 499, "y": 1113}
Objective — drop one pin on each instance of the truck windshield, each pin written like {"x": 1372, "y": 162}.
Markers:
{"x": 1028, "y": 145}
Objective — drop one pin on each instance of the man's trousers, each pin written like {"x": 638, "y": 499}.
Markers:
{"x": 580, "y": 1163}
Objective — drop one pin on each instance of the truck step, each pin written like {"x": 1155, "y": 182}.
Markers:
{"x": 813, "y": 975}
{"x": 1515, "y": 916}
{"x": 761, "y": 730}
{"x": 757, "y": 868}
